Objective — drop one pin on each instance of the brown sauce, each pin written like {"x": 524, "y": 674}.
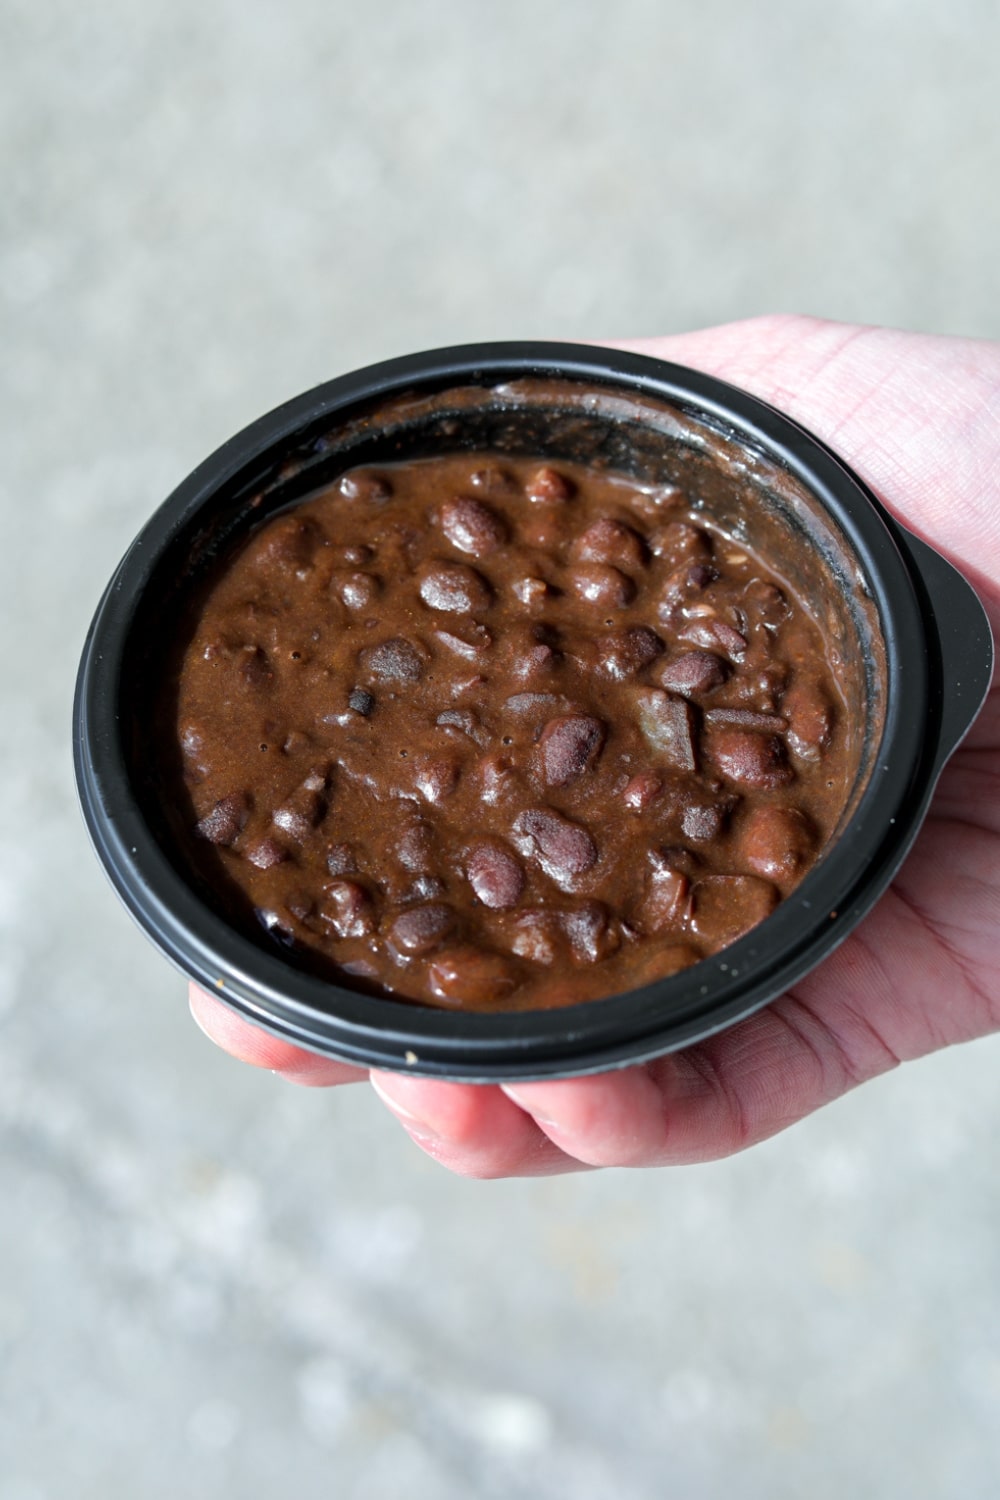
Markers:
{"x": 488, "y": 733}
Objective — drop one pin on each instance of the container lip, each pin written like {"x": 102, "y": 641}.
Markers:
{"x": 596, "y": 1034}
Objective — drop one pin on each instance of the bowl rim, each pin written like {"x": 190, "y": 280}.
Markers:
{"x": 592, "y": 1035}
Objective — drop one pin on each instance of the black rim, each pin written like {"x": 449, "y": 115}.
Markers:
{"x": 576, "y": 1039}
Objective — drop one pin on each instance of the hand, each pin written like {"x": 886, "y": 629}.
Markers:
{"x": 919, "y": 418}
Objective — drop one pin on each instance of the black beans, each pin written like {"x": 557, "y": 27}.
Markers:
{"x": 364, "y": 488}
{"x": 746, "y": 718}
{"x": 396, "y": 660}
{"x": 715, "y": 635}
{"x": 495, "y": 874}
{"x": 811, "y": 720}
{"x": 535, "y": 662}
{"x": 420, "y": 929}
{"x": 562, "y": 848}
{"x": 465, "y": 722}
{"x": 360, "y": 701}
{"x": 777, "y": 841}
{"x": 341, "y": 859}
{"x": 609, "y": 541}
{"x": 471, "y": 641}
{"x": 497, "y": 778}
{"x": 701, "y": 823}
{"x": 749, "y": 759}
{"x": 497, "y": 732}
{"x": 667, "y": 901}
{"x": 688, "y": 580}
{"x": 357, "y": 590}
{"x": 549, "y": 487}
{"x": 300, "y": 813}
{"x": 536, "y": 935}
{"x": 226, "y": 821}
{"x": 471, "y": 526}
{"x": 568, "y": 746}
{"x": 437, "y": 777}
{"x": 415, "y": 847}
{"x": 289, "y": 543}
{"x": 266, "y": 853}
{"x": 626, "y": 652}
{"x": 454, "y": 589}
{"x": 348, "y": 909}
{"x": 600, "y": 584}
{"x": 532, "y": 705}
{"x": 678, "y": 540}
{"x": 641, "y": 790}
{"x": 667, "y": 726}
{"x": 298, "y": 818}
{"x": 692, "y": 674}
{"x": 468, "y": 975}
{"x": 591, "y": 934}
{"x": 730, "y": 905}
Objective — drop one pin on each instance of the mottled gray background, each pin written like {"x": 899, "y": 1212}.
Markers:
{"x": 215, "y": 1285}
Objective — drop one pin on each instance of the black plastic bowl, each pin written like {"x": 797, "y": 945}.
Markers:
{"x": 918, "y": 634}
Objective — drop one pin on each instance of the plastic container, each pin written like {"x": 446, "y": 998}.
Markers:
{"x": 919, "y": 637}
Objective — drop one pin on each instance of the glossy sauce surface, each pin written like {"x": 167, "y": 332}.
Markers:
{"x": 490, "y": 733}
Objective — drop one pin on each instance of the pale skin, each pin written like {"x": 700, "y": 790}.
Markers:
{"x": 919, "y": 418}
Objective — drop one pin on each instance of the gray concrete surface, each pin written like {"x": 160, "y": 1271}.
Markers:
{"x": 212, "y": 1284}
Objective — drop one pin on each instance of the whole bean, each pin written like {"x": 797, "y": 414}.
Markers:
{"x": 625, "y": 653}
{"x": 678, "y": 540}
{"x": 666, "y": 903}
{"x": 777, "y": 841}
{"x": 724, "y": 907}
{"x": 591, "y": 934}
{"x": 693, "y": 673}
{"x": 568, "y": 746}
{"x": 348, "y": 909}
{"x": 471, "y": 526}
{"x": 548, "y": 487}
{"x": 469, "y": 975}
{"x": 562, "y": 848}
{"x": 454, "y": 588}
{"x": 748, "y": 758}
{"x": 495, "y": 874}
{"x": 356, "y": 590}
{"x": 600, "y": 584}
{"x": 396, "y": 660}
{"x": 289, "y": 543}
{"x": 437, "y": 778}
{"x": 609, "y": 541}
{"x": 419, "y": 930}
{"x": 811, "y": 719}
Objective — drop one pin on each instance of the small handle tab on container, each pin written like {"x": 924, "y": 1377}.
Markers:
{"x": 965, "y": 642}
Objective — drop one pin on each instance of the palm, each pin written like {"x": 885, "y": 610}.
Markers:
{"x": 919, "y": 418}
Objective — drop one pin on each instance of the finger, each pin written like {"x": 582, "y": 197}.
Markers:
{"x": 914, "y": 414}
{"x": 472, "y": 1129}
{"x": 242, "y": 1040}
{"x": 695, "y": 1106}
{"x": 725, "y": 1094}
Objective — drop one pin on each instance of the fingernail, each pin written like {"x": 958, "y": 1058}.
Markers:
{"x": 542, "y": 1120}
{"x": 410, "y": 1122}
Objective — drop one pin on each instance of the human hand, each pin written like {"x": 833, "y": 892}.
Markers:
{"x": 919, "y": 419}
